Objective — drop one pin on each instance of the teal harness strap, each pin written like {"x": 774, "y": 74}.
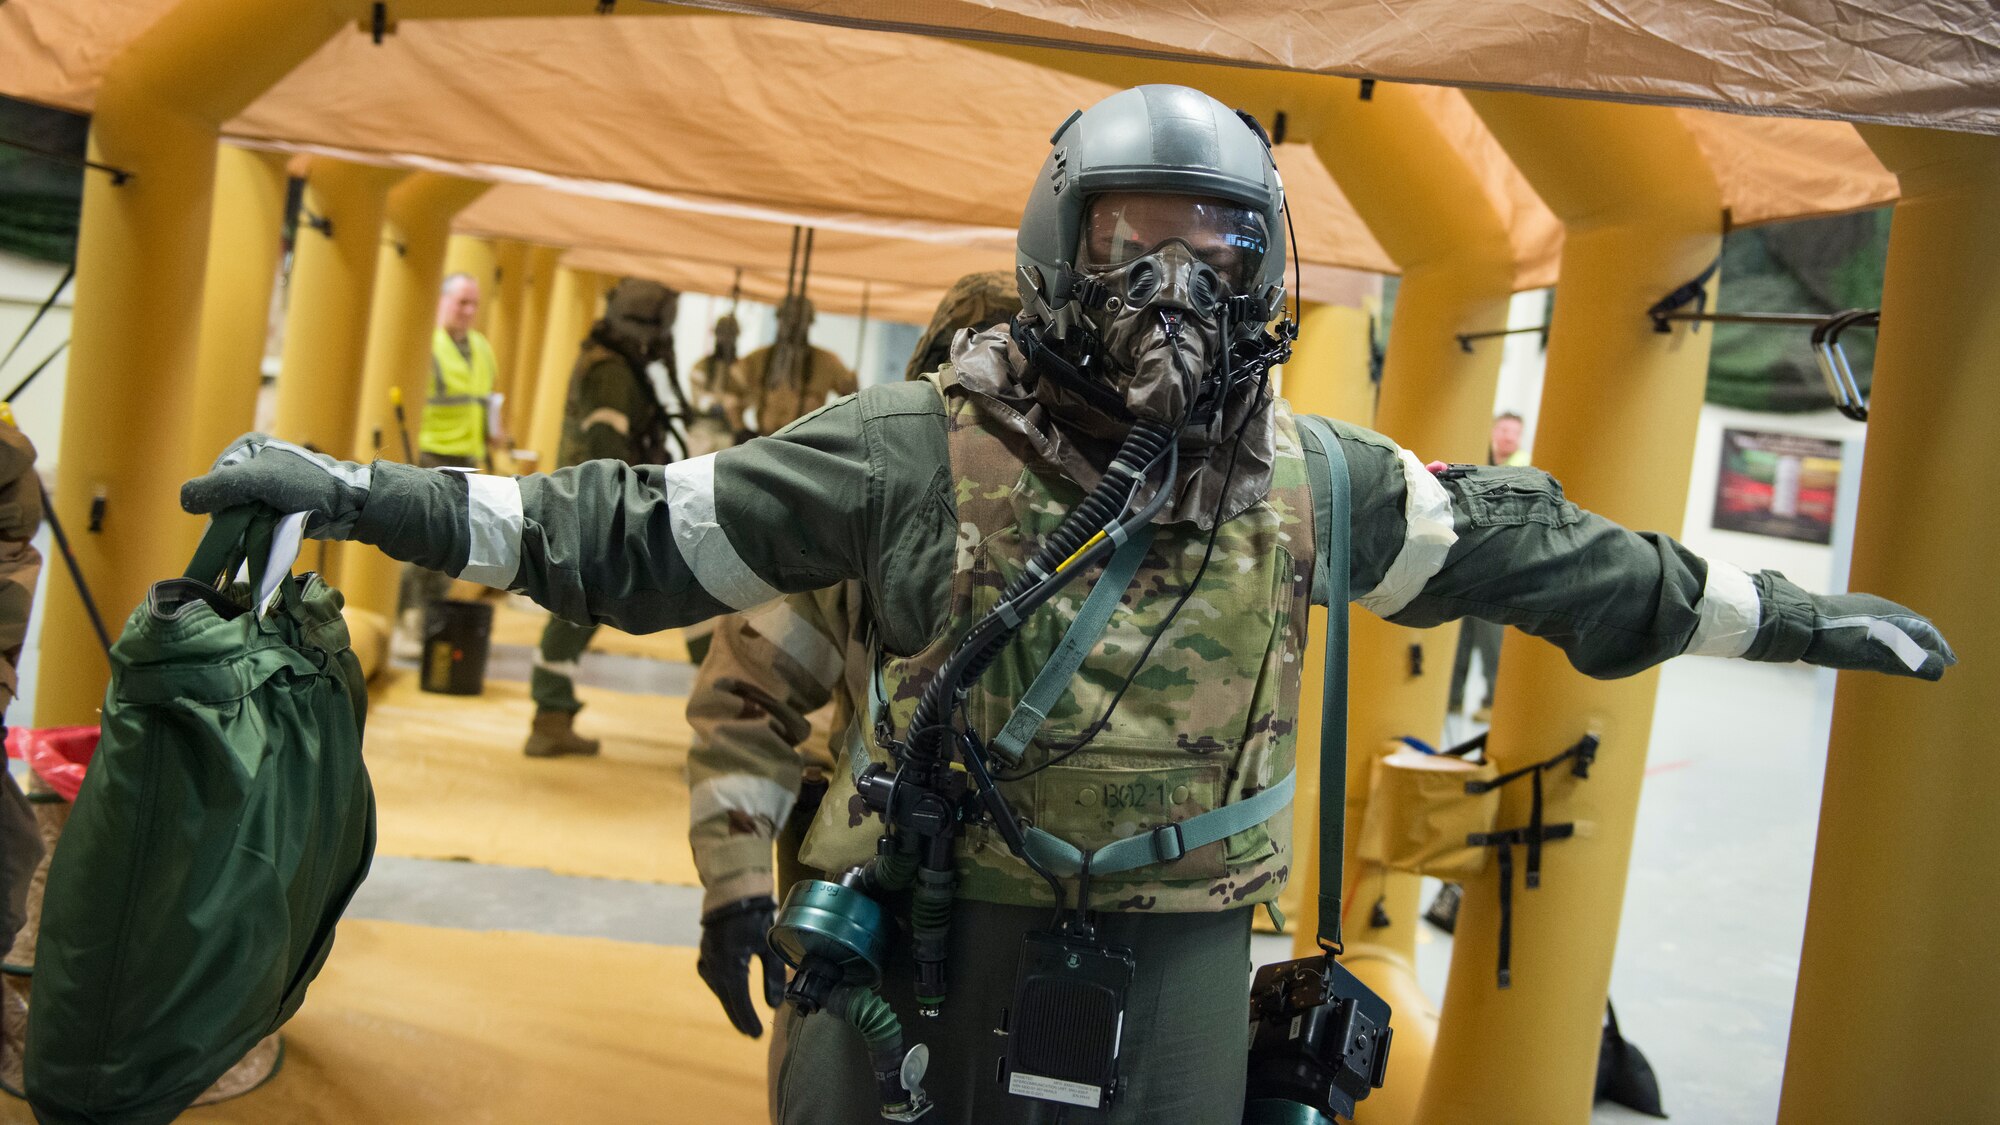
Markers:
{"x": 1081, "y": 637}
{"x": 1169, "y": 841}
{"x": 1326, "y": 473}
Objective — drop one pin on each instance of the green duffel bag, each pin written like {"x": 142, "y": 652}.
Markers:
{"x": 222, "y": 827}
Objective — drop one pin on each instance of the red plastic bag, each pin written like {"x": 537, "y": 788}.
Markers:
{"x": 57, "y": 754}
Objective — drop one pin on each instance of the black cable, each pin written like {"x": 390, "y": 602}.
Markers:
{"x": 1103, "y": 721}
{"x": 39, "y": 368}
{"x": 75, "y": 571}
{"x": 47, "y": 303}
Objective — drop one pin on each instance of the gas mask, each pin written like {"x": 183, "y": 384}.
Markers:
{"x": 1160, "y": 273}
{"x": 639, "y": 317}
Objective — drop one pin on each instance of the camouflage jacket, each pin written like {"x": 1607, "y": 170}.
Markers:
{"x": 20, "y": 563}
{"x": 865, "y": 489}
{"x": 765, "y": 671}
{"x": 1210, "y": 721}
{"x": 753, "y": 404}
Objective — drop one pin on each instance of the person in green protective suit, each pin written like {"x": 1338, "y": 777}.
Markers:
{"x": 612, "y": 412}
{"x": 755, "y": 777}
{"x": 1151, "y": 264}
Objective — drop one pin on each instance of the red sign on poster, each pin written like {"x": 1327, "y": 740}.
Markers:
{"x": 1781, "y": 485}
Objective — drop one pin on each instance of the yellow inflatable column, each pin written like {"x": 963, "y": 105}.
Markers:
{"x": 1895, "y": 1018}
{"x": 572, "y": 307}
{"x": 326, "y": 312}
{"x": 245, "y": 237}
{"x": 1426, "y": 208}
{"x": 540, "y": 269}
{"x": 509, "y": 258}
{"x": 408, "y": 271}
{"x": 470, "y": 254}
{"x": 1620, "y": 402}
{"x": 128, "y": 430}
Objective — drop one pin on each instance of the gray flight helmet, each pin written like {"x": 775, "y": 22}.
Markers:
{"x": 1149, "y": 138}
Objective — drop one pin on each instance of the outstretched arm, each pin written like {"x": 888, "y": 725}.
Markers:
{"x": 852, "y": 493}
{"x": 1438, "y": 543}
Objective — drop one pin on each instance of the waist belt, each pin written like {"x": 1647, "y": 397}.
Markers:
{"x": 1169, "y": 841}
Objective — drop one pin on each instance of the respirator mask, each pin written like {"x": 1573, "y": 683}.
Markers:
{"x": 1160, "y": 283}
{"x": 639, "y": 316}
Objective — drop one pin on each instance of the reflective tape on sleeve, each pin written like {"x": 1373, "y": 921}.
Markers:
{"x": 1730, "y": 611}
{"x": 759, "y": 797}
{"x": 605, "y": 416}
{"x": 493, "y": 517}
{"x": 1427, "y": 538}
{"x": 793, "y": 635}
{"x": 703, "y": 542}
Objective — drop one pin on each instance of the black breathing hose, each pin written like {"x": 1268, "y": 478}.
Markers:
{"x": 1144, "y": 445}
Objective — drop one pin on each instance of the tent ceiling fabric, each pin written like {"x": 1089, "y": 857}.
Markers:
{"x": 1934, "y": 63}
{"x": 900, "y": 137}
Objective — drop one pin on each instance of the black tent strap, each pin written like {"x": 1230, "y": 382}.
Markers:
{"x": 1505, "y": 842}
{"x": 118, "y": 175}
{"x": 1582, "y": 754}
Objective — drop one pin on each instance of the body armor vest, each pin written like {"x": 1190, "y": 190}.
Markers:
{"x": 1209, "y": 721}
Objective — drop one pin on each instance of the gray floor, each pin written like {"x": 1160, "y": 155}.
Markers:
{"x": 1714, "y": 909}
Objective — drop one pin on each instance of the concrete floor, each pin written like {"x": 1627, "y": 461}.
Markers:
{"x": 1714, "y": 910}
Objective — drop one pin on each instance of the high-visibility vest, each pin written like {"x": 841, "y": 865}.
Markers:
{"x": 454, "y": 422}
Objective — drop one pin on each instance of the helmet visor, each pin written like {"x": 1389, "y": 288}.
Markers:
{"x": 1123, "y": 226}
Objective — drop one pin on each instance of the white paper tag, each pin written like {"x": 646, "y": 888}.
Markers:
{"x": 1054, "y": 1090}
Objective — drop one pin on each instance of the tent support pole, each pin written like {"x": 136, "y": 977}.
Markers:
{"x": 1896, "y": 942}
{"x": 1642, "y": 213}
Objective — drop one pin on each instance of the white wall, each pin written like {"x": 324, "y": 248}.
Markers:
{"x": 1522, "y": 362}
{"x": 24, "y": 285}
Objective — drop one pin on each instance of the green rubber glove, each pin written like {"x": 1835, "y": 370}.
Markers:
{"x": 1858, "y": 632}
{"x": 260, "y": 469}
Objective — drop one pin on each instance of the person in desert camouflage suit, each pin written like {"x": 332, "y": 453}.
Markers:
{"x": 20, "y": 565}
{"x": 754, "y": 775}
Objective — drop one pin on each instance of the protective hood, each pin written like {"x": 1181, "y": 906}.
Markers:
{"x": 639, "y": 318}
{"x": 976, "y": 301}
{"x": 1078, "y": 438}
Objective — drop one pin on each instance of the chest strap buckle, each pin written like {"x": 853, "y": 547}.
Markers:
{"x": 1168, "y": 845}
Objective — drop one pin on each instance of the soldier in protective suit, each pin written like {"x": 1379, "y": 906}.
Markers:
{"x": 612, "y": 412}
{"x": 20, "y": 566}
{"x": 709, "y": 430}
{"x": 754, "y": 776}
{"x": 1151, "y": 262}
{"x": 785, "y": 380}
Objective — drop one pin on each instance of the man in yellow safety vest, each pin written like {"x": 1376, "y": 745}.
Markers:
{"x": 453, "y": 432}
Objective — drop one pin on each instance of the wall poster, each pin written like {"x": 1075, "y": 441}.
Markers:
{"x": 1780, "y": 485}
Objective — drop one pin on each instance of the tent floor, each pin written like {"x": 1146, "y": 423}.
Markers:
{"x": 417, "y": 1025}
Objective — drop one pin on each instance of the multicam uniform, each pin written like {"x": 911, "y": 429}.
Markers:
{"x": 611, "y": 412}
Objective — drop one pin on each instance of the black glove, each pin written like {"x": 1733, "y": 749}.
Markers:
{"x": 730, "y": 936}
{"x": 260, "y": 469}
{"x": 1859, "y": 632}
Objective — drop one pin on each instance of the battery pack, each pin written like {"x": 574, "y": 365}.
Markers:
{"x": 1067, "y": 1021}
